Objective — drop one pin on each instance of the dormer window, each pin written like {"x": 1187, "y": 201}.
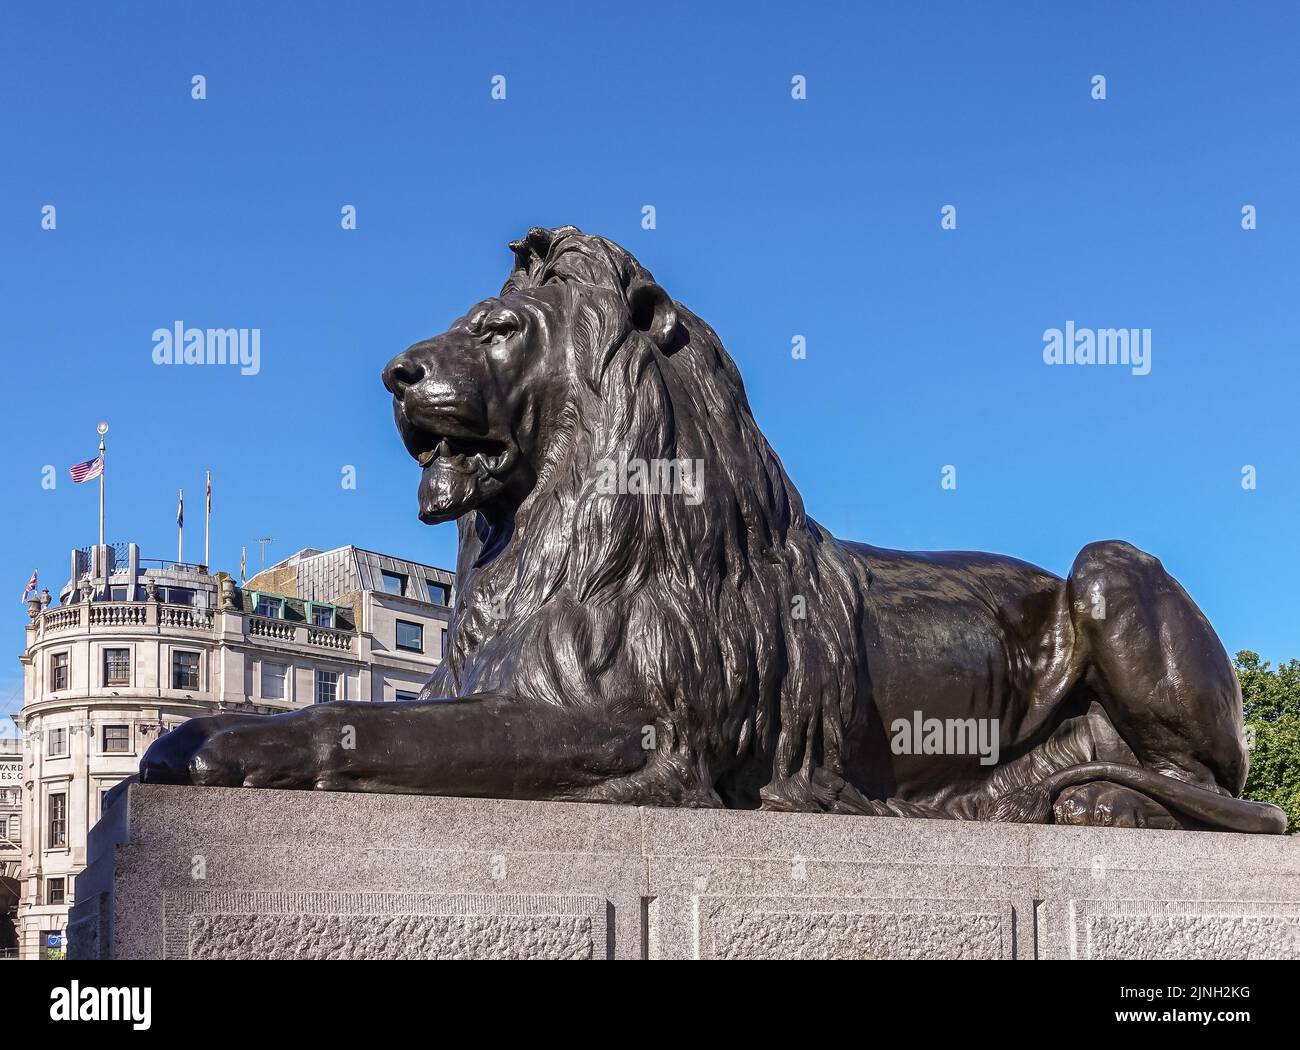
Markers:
{"x": 321, "y": 615}
{"x": 269, "y": 605}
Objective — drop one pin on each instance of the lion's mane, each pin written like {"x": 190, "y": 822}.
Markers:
{"x": 736, "y": 623}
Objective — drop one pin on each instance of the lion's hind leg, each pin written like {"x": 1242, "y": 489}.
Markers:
{"x": 1157, "y": 668}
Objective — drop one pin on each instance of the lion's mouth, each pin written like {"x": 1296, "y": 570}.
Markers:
{"x": 464, "y": 455}
{"x": 459, "y": 472}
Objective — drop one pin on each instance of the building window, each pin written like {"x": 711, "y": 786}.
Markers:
{"x": 185, "y": 670}
{"x": 58, "y": 826}
{"x": 410, "y": 636}
{"x": 439, "y": 593}
{"x": 404, "y": 694}
{"x": 54, "y": 891}
{"x": 117, "y": 594}
{"x": 273, "y": 681}
{"x": 15, "y": 828}
{"x": 117, "y": 666}
{"x": 322, "y": 615}
{"x": 58, "y": 671}
{"x": 176, "y": 595}
{"x": 394, "y": 582}
{"x": 267, "y": 605}
{"x": 442, "y": 651}
{"x": 117, "y": 740}
{"x": 327, "y": 687}
{"x": 56, "y": 742}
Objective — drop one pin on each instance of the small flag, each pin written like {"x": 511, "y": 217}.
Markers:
{"x": 209, "y": 493}
{"x": 243, "y": 564}
{"x": 31, "y": 586}
{"x": 180, "y": 509}
{"x": 92, "y": 468}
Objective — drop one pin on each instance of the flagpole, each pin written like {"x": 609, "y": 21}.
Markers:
{"x": 207, "y": 519}
{"x": 103, "y": 464}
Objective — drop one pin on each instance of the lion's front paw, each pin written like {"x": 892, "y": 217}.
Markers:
{"x": 234, "y": 751}
{"x": 169, "y": 759}
{"x": 275, "y": 751}
{"x": 217, "y": 763}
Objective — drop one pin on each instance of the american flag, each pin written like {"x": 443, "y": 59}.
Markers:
{"x": 92, "y": 468}
{"x": 31, "y": 586}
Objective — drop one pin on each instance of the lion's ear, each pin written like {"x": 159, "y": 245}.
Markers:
{"x": 654, "y": 314}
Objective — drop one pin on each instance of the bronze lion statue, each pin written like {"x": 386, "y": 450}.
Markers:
{"x": 646, "y": 615}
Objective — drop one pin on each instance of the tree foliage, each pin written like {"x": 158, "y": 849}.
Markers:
{"x": 1271, "y": 699}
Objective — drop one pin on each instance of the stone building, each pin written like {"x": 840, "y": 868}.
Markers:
{"x": 11, "y": 804}
{"x": 11, "y": 836}
{"x": 134, "y": 647}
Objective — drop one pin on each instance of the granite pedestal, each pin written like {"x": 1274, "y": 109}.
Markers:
{"x": 184, "y": 873}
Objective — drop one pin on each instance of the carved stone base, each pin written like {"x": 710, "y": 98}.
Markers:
{"x": 184, "y": 872}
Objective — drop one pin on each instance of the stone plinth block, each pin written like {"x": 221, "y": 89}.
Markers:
{"x": 190, "y": 873}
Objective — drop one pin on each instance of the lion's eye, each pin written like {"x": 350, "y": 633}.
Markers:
{"x": 498, "y": 329}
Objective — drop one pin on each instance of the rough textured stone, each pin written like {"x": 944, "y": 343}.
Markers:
{"x": 332, "y": 925}
{"x": 389, "y": 937}
{"x": 183, "y": 872}
{"x": 826, "y": 928}
{"x": 1184, "y": 930}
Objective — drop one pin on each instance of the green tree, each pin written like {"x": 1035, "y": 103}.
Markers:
{"x": 1271, "y": 701}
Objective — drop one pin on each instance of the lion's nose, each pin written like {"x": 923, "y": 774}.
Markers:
{"x": 403, "y": 371}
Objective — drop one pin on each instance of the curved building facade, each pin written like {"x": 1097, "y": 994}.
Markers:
{"x": 133, "y": 648}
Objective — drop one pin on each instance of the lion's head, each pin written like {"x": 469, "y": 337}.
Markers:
{"x": 678, "y": 603}
{"x": 487, "y": 407}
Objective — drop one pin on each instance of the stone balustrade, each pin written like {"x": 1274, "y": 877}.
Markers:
{"x": 329, "y": 638}
{"x": 288, "y": 631}
{"x": 270, "y": 627}
{"x": 127, "y": 615}
{"x": 60, "y": 619}
{"x": 115, "y": 615}
{"x": 185, "y": 616}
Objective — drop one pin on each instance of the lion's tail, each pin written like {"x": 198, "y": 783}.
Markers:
{"x": 1220, "y": 812}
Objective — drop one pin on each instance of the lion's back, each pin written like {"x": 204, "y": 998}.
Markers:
{"x": 969, "y": 618}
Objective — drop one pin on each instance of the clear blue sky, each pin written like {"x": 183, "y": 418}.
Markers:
{"x": 775, "y": 218}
